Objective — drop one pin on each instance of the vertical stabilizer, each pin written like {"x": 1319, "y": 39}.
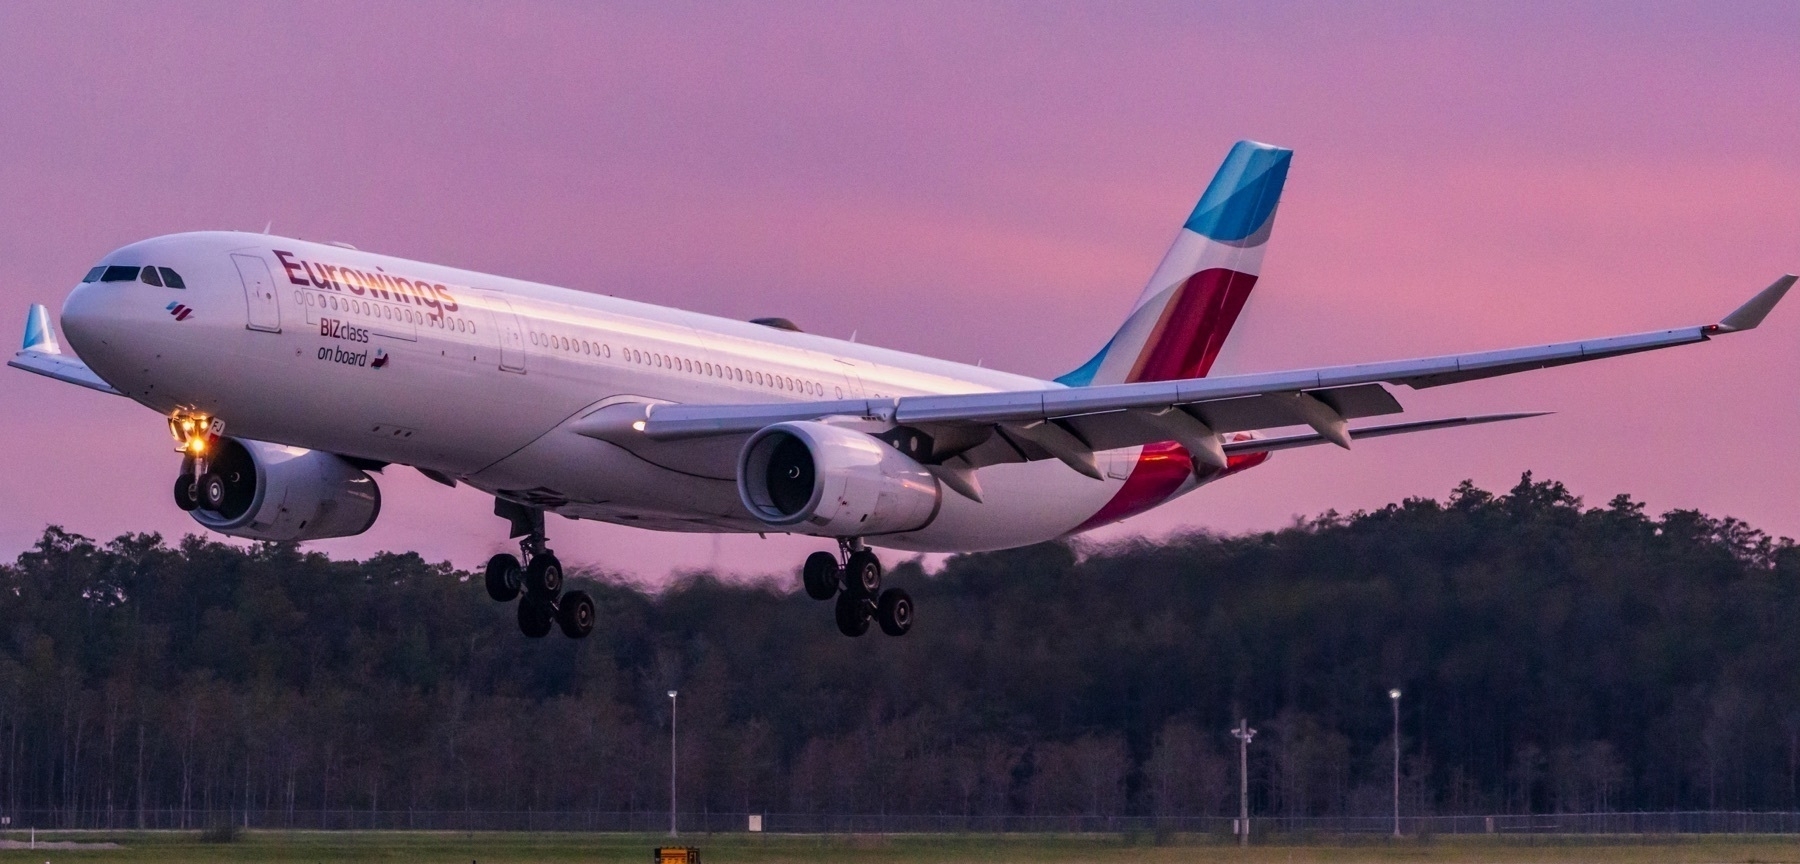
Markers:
{"x": 1181, "y": 321}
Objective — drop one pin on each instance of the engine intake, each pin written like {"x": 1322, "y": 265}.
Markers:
{"x": 282, "y": 493}
{"x": 833, "y": 481}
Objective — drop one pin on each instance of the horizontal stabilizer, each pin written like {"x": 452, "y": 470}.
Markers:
{"x": 1289, "y": 442}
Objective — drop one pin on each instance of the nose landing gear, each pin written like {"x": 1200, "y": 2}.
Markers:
{"x": 539, "y": 579}
{"x": 198, "y": 485}
{"x": 857, "y": 586}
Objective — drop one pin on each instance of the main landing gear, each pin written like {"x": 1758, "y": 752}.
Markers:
{"x": 856, "y": 583}
{"x": 540, "y": 580}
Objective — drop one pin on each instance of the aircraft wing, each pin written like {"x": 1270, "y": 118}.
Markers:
{"x": 972, "y": 430}
{"x": 42, "y": 355}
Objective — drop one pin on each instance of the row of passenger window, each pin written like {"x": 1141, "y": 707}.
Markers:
{"x": 683, "y": 364}
{"x": 573, "y": 346}
{"x": 161, "y": 277}
{"x": 353, "y": 306}
{"x": 728, "y": 373}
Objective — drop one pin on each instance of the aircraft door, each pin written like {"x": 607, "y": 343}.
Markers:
{"x": 510, "y": 331}
{"x": 852, "y": 384}
{"x": 262, "y": 311}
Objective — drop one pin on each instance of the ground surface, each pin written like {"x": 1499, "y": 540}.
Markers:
{"x": 505, "y": 848}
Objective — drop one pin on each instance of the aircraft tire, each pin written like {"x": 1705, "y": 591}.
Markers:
{"x": 187, "y": 492}
{"x": 862, "y": 575}
{"x": 544, "y": 576}
{"x": 536, "y": 616}
{"x": 212, "y": 491}
{"x": 503, "y": 577}
{"x": 894, "y": 612}
{"x": 575, "y": 614}
{"x": 820, "y": 575}
{"x": 852, "y": 615}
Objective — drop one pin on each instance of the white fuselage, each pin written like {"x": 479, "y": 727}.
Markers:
{"x": 475, "y": 377}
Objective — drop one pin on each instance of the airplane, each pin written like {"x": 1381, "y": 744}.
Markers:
{"x": 331, "y": 363}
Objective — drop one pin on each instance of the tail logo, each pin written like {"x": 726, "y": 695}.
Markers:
{"x": 178, "y": 311}
{"x": 1180, "y": 322}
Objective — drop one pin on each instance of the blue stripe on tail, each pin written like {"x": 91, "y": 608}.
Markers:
{"x": 1243, "y": 194}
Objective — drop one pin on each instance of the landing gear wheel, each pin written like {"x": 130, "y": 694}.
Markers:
{"x": 862, "y": 575}
{"x": 894, "y": 612}
{"x": 503, "y": 577}
{"x": 820, "y": 575}
{"x": 575, "y": 614}
{"x": 187, "y": 493}
{"x": 853, "y": 615}
{"x": 212, "y": 491}
{"x": 535, "y": 616}
{"x": 544, "y": 576}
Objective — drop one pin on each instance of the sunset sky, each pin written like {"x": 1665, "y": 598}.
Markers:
{"x": 982, "y": 182}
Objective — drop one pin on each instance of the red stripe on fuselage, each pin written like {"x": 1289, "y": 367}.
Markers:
{"x": 1160, "y": 471}
{"x": 1193, "y": 328}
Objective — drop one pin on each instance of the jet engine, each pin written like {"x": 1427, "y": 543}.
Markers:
{"x": 282, "y": 493}
{"x": 833, "y": 481}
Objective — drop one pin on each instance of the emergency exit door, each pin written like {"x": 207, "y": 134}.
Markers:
{"x": 261, "y": 310}
{"x": 510, "y": 331}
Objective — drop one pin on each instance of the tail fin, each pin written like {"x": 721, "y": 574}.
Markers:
{"x": 1181, "y": 320}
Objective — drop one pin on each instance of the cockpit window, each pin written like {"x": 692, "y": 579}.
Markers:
{"x": 116, "y": 273}
{"x": 170, "y": 278}
{"x": 94, "y": 274}
{"x": 150, "y": 277}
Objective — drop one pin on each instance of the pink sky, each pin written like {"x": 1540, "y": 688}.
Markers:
{"x": 979, "y": 182}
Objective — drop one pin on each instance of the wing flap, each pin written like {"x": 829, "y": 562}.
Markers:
{"x": 1289, "y": 442}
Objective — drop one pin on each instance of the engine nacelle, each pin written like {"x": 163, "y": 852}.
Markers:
{"x": 833, "y": 481}
{"x": 286, "y": 493}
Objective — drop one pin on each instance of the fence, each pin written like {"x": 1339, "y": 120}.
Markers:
{"x": 1681, "y": 822}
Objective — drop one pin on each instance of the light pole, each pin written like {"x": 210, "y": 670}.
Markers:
{"x": 1394, "y": 697}
{"x": 672, "y": 764}
{"x": 1243, "y": 733}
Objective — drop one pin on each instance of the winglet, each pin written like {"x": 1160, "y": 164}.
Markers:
{"x": 1747, "y": 316}
{"x": 38, "y": 335}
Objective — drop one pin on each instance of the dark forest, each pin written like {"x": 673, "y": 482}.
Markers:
{"x": 1553, "y": 656}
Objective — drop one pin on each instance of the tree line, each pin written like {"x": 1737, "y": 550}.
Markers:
{"x": 1552, "y": 657}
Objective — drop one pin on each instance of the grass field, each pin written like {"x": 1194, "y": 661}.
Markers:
{"x": 506, "y": 848}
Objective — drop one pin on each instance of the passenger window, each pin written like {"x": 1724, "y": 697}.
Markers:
{"x": 94, "y": 274}
{"x": 116, "y": 273}
{"x": 149, "y": 277}
{"x": 171, "y": 279}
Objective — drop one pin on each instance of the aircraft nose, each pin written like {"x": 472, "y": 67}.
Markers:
{"x": 84, "y": 318}
{"x": 95, "y": 319}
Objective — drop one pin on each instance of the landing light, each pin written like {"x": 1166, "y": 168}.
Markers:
{"x": 637, "y": 425}
{"x": 193, "y": 433}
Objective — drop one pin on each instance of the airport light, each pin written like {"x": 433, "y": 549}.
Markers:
{"x": 1394, "y": 697}
{"x": 1243, "y": 733}
{"x": 671, "y": 763}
